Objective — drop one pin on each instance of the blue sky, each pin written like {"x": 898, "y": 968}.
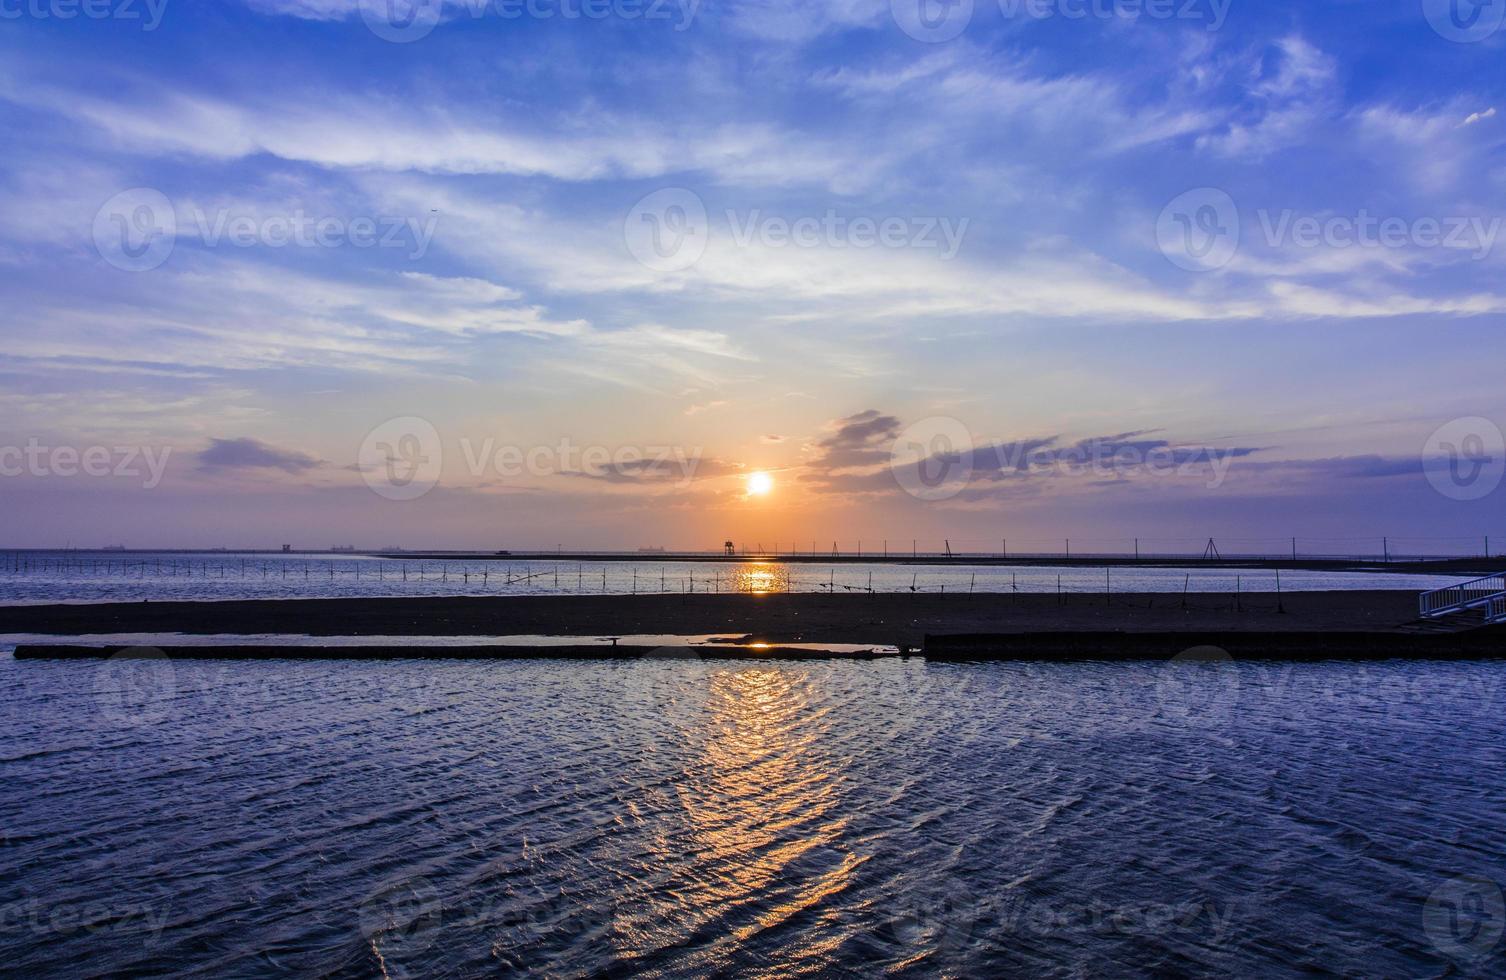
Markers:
{"x": 1061, "y": 267}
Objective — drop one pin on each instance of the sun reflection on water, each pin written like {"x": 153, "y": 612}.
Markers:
{"x": 763, "y": 817}
{"x": 761, "y": 578}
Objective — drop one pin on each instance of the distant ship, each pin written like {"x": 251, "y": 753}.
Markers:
{"x": 651, "y": 551}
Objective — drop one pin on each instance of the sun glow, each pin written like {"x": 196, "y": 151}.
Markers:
{"x": 759, "y": 484}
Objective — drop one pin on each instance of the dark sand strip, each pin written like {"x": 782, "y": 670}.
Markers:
{"x": 902, "y": 619}
{"x": 43, "y": 651}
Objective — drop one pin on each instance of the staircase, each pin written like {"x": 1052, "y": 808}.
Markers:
{"x": 1454, "y": 622}
{"x": 1449, "y": 605}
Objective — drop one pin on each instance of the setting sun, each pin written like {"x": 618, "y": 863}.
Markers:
{"x": 759, "y": 484}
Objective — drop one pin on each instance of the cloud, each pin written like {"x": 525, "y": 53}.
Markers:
{"x": 1475, "y": 117}
{"x": 659, "y": 468}
{"x": 1288, "y": 90}
{"x": 246, "y": 453}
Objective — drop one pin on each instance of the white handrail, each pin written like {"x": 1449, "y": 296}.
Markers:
{"x": 1496, "y": 611}
{"x": 1483, "y": 591}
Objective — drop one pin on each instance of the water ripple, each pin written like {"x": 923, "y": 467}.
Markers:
{"x": 691, "y": 817}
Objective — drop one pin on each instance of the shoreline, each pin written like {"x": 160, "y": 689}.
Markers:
{"x": 892, "y": 619}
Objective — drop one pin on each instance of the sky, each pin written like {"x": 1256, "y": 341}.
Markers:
{"x": 566, "y": 273}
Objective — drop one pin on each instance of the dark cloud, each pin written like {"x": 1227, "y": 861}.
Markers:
{"x": 860, "y": 440}
{"x": 856, "y": 458}
{"x": 228, "y": 454}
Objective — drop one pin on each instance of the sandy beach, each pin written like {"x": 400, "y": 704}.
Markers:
{"x": 784, "y": 618}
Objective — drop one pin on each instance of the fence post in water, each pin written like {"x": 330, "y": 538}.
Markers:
{"x": 1294, "y": 549}
{"x": 1280, "y": 605}
{"x": 1186, "y": 581}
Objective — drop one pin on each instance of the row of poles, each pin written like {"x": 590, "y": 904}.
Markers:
{"x": 1210, "y": 549}
{"x": 782, "y": 581}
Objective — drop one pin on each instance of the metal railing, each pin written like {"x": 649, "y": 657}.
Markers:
{"x": 1496, "y": 611}
{"x": 1488, "y": 591}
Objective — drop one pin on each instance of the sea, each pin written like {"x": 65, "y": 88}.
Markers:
{"x": 694, "y": 817}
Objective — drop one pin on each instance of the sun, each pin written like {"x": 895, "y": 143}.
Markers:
{"x": 759, "y": 484}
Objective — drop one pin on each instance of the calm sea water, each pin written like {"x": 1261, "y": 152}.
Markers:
{"x": 689, "y": 817}
{"x": 104, "y": 577}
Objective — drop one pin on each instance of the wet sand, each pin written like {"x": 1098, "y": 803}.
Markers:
{"x": 901, "y": 619}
